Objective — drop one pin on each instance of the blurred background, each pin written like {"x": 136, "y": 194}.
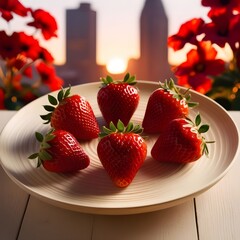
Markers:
{"x": 100, "y": 37}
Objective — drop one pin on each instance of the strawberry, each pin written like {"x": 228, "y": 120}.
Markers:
{"x": 181, "y": 142}
{"x": 60, "y": 152}
{"x": 118, "y": 99}
{"x": 73, "y": 114}
{"x": 122, "y": 152}
{"x": 165, "y": 104}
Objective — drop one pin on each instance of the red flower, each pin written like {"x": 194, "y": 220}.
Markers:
{"x": 222, "y": 29}
{"x": 48, "y": 76}
{"x": 29, "y": 46}
{"x": 8, "y": 45}
{"x": 9, "y": 6}
{"x": 237, "y": 55}
{"x": 186, "y": 34}
{"x": 200, "y": 65}
{"x": 229, "y": 4}
{"x": 45, "y": 55}
{"x": 44, "y": 21}
{"x": 18, "y": 42}
{"x": 234, "y": 36}
{"x": 29, "y": 96}
{"x": 20, "y": 54}
{"x": 201, "y": 84}
{"x": 2, "y": 97}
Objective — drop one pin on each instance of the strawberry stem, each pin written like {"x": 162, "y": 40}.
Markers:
{"x": 120, "y": 128}
{"x": 131, "y": 80}
{"x": 171, "y": 88}
{"x": 201, "y": 129}
{"x": 43, "y": 154}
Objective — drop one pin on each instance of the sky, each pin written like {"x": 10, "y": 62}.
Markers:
{"x": 117, "y": 24}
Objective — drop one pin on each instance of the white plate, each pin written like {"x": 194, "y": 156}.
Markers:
{"x": 156, "y": 186}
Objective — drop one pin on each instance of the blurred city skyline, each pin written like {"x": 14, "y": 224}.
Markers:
{"x": 117, "y": 25}
{"x": 81, "y": 65}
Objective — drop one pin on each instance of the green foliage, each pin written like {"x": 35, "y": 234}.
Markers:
{"x": 225, "y": 90}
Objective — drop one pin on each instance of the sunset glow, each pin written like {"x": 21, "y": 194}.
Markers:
{"x": 116, "y": 65}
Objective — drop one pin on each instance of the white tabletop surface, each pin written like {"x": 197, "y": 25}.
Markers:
{"x": 214, "y": 215}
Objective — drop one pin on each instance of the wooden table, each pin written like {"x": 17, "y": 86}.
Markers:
{"x": 214, "y": 215}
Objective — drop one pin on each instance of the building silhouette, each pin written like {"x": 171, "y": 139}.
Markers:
{"x": 81, "y": 65}
{"x": 81, "y": 36}
{"x": 81, "y": 41}
{"x": 153, "y": 62}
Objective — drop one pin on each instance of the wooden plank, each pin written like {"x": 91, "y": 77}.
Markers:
{"x": 13, "y": 200}
{"x": 218, "y": 210}
{"x": 44, "y": 221}
{"x": 174, "y": 223}
{"x": 56, "y": 223}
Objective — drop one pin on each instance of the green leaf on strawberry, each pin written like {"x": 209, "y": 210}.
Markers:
{"x": 71, "y": 113}
{"x": 120, "y": 128}
{"x": 42, "y": 155}
{"x": 118, "y": 99}
{"x": 166, "y": 103}
{"x": 182, "y": 141}
{"x": 198, "y": 120}
{"x": 62, "y": 94}
{"x": 131, "y": 80}
{"x": 59, "y": 151}
{"x": 172, "y": 88}
{"x": 201, "y": 129}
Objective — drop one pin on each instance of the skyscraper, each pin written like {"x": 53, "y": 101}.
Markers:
{"x": 153, "y": 62}
{"x": 81, "y": 66}
{"x": 81, "y": 40}
{"x": 153, "y": 41}
{"x": 81, "y": 35}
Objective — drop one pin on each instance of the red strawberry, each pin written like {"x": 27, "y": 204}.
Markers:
{"x": 60, "y": 152}
{"x": 118, "y": 99}
{"x": 165, "y": 104}
{"x": 122, "y": 152}
{"x": 181, "y": 142}
{"x": 73, "y": 114}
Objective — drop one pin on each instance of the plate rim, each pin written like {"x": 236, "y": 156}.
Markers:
{"x": 124, "y": 210}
